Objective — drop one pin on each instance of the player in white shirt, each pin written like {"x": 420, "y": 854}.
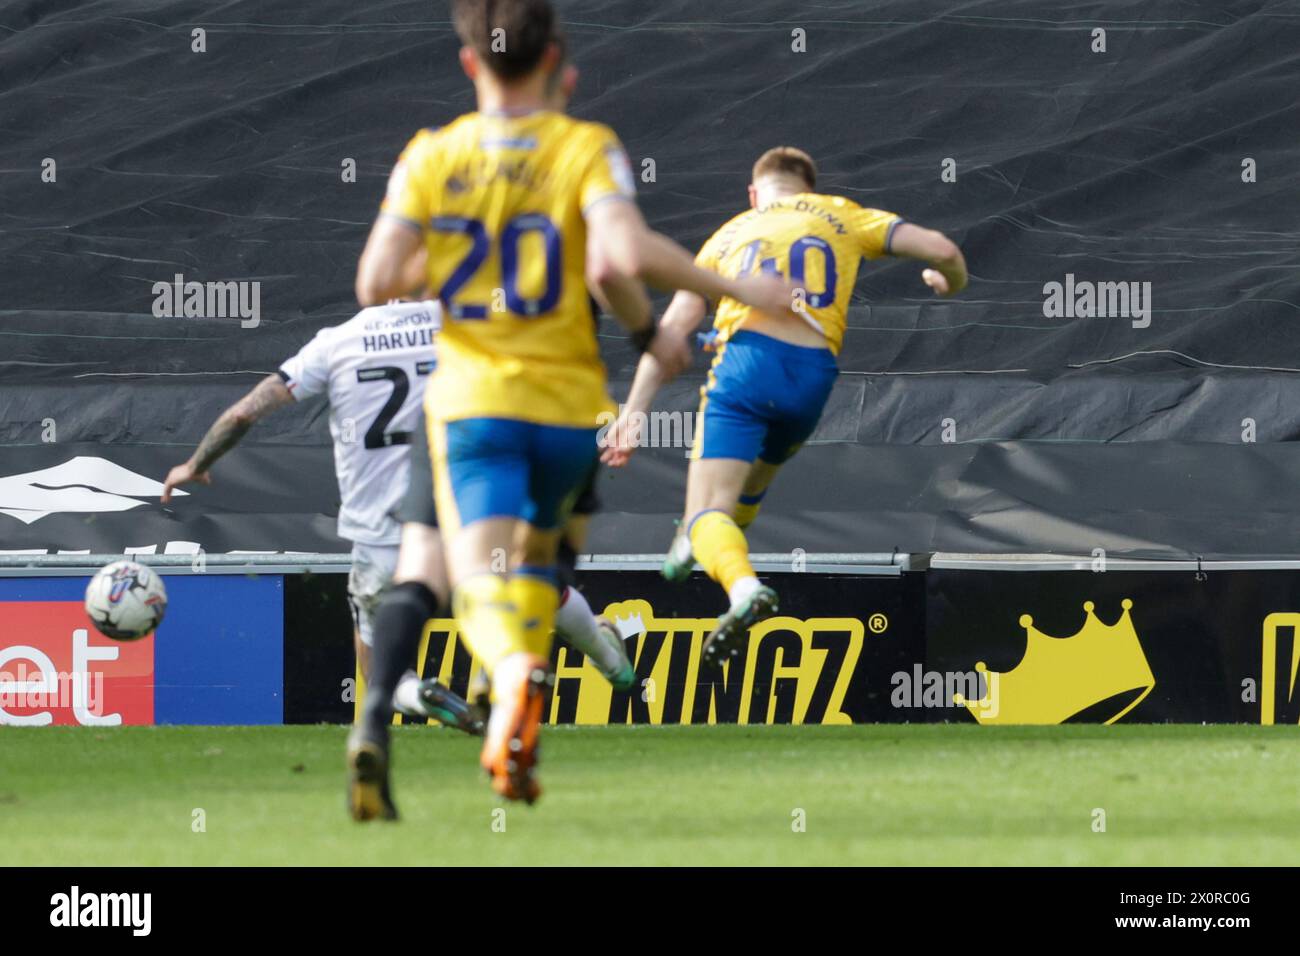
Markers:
{"x": 372, "y": 369}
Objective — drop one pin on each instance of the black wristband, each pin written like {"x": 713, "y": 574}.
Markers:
{"x": 642, "y": 338}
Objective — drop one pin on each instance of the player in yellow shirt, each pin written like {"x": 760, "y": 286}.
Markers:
{"x": 770, "y": 379}
{"x": 510, "y": 215}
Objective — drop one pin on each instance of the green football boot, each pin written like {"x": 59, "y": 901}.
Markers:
{"x": 726, "y": 640}
{"x": 679, "y": 562}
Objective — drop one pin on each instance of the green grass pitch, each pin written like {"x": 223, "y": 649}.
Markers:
{"x": 955, "y": 795}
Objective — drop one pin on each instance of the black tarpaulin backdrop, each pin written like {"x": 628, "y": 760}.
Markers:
{"x": 1117, "y": 166}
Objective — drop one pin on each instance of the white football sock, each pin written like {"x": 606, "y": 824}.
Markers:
{"x": 575, "y": 622}
{"x": 741, "y": 589}
{"x": 406, "y": 699}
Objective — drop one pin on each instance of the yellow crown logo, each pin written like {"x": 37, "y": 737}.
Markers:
{"x": 1060, "y": 677}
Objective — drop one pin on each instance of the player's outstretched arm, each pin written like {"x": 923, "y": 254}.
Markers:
{"x": 682, "y": 318}
{"x": 948, "y": 277}
{"x": 622, "y": 297}
{"x": 614, "y": 280}
{"x": 619, "y": 243}
{"x": 393, "y": 264}
{"x": 225, "y": 433}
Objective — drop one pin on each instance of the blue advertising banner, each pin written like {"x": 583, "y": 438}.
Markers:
{"x": 217, "y": 658}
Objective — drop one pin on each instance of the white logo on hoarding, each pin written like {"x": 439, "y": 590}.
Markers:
{"x": 82, "y": 484}
{"x": 44, "y": 687}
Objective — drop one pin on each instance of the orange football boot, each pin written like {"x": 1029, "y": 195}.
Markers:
{"x": 510, "y": 750}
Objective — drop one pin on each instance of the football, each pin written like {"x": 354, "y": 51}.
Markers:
{"x": 126, "y": 600}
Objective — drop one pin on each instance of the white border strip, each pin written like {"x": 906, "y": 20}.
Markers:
{"x": 1061, "y": 562}
{"x": 77, "y": 565}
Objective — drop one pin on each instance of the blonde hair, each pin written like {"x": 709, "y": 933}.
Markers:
{"x": 787, "y": 160}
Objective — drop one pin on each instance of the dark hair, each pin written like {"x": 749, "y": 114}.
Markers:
{"x": 787, "y": 160}
{"x": 562, "y": 51}
{"x": 526, "y": 28}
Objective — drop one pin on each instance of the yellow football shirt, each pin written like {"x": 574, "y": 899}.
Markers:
{"x": 815, "y": 241}
{"x": 500, "y": 200}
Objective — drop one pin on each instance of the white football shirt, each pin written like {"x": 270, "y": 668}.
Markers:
{"x": 373, "y": 369}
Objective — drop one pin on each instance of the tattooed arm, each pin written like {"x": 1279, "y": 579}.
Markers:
{"x": 226, "y": 432}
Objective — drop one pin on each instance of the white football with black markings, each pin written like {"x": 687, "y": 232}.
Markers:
{"x": 126, "y": 600}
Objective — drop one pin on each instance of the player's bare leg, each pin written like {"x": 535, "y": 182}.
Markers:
{"x": 363, "y": 654}
{"x": 420, "y": 558}
{"x": 712, "y": 484}
{"x": 680, "y": 561}
{"x": 713, "y": 490}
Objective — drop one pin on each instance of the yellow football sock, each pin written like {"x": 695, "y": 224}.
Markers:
{"x": 746, "y": 512}
{"x": 489, "y": 622}
{"x": 720, "y": 548}
{"x": 536, "y": 598}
